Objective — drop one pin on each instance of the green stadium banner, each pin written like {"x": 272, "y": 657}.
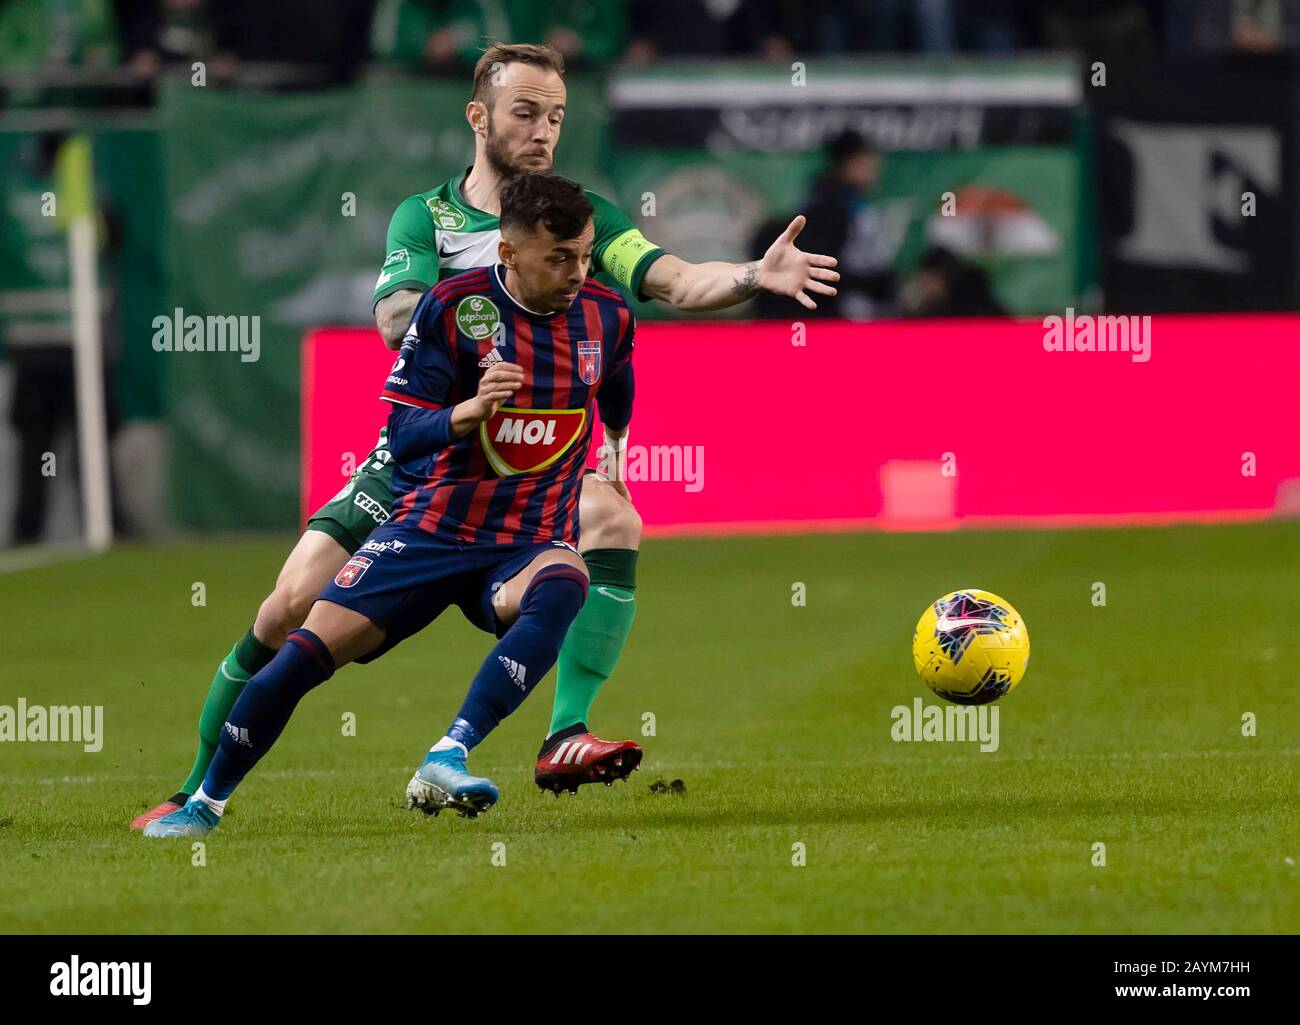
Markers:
{"x": 34, "y": 300}
{"x": 1013, "y": 209}
{"x": 706, "y": 156}
{"x": 278, "y": 206}
{"x": 129, "y": 180}
{"x": 33, "y": 246}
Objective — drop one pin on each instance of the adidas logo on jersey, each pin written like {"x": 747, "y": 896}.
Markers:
{"x": 516, "y": 670}
{"x": 240, "y": 733}
{"x": 493, "y": 356}
{"x": 570, "y": 753}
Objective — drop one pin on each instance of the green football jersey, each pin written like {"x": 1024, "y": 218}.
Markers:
{"x": 436, "y": 234}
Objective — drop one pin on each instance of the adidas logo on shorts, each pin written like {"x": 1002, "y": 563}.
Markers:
{"x": 516, "y": 669}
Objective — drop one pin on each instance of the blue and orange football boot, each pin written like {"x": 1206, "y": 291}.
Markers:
{"x": 195, "y": 819}
{"x": 443, "y": 781}
{"x": 174, "y": 803}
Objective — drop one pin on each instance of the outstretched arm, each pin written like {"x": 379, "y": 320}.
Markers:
{"x": 784, "y": 270}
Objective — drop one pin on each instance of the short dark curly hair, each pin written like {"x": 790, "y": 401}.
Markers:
{"x": 556, "y": 201}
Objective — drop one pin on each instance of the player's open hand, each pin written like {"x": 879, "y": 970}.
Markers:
{"x": 496, "y": 386}
{"x": 787, "y": 270}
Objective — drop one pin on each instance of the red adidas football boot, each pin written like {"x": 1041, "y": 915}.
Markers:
{"x": 173, "y": 803}
{"x": 574, "y": 756}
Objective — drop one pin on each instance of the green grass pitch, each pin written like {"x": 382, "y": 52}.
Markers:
{"x": 1126, "y": 731}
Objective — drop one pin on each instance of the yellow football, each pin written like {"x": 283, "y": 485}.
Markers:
{"x": 970, "y": 647}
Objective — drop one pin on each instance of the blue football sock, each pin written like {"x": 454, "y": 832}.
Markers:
{"x": 524, "y": 655}
{"x": 263, "y": 709}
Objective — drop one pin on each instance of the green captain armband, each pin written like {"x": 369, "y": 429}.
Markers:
{"x": 627, "y": 257}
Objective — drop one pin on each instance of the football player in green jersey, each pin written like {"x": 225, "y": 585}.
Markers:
{"x": 516, "y": 112}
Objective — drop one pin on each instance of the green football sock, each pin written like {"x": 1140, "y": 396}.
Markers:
{"x": 244, "y": 660}
{"x": 596, "y": 638}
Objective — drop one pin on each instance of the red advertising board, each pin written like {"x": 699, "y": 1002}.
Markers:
{"x": 765, "y": 427}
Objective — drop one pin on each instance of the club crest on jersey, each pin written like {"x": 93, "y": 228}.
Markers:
{"x": 529, "y": 440}
{"x": 354, "y": 570}
{"x": 589, "y": 361}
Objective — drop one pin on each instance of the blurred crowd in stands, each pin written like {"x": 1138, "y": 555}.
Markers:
{"x": 337, "y": 38}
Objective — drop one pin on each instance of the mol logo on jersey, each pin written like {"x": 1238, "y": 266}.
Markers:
{"x": 529, "y": 440}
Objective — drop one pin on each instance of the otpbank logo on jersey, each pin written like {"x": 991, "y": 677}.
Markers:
{"x": 589, "y": 361}
{"x": 529, "y": 440}
{"x": 445, "y": 216}
{"x": 478, "y": 317}
{"x": 354, "y": 570}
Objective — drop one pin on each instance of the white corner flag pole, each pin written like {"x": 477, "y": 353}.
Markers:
{"x": 88, "y": 350}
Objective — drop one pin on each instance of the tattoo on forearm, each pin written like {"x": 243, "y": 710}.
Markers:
{"x": 395, "y": 313}
{"x": 746, "y": 282}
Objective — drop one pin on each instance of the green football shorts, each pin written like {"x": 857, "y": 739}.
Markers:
{"x": 363, "y": 504}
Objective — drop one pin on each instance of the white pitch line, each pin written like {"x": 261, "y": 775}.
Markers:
{"x": 899, "y": 759}
{"x": 40, "y": 556}
{"x": 674, "y": 765}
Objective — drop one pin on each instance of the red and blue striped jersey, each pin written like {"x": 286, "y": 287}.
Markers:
{"x": 516, "y": 478}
